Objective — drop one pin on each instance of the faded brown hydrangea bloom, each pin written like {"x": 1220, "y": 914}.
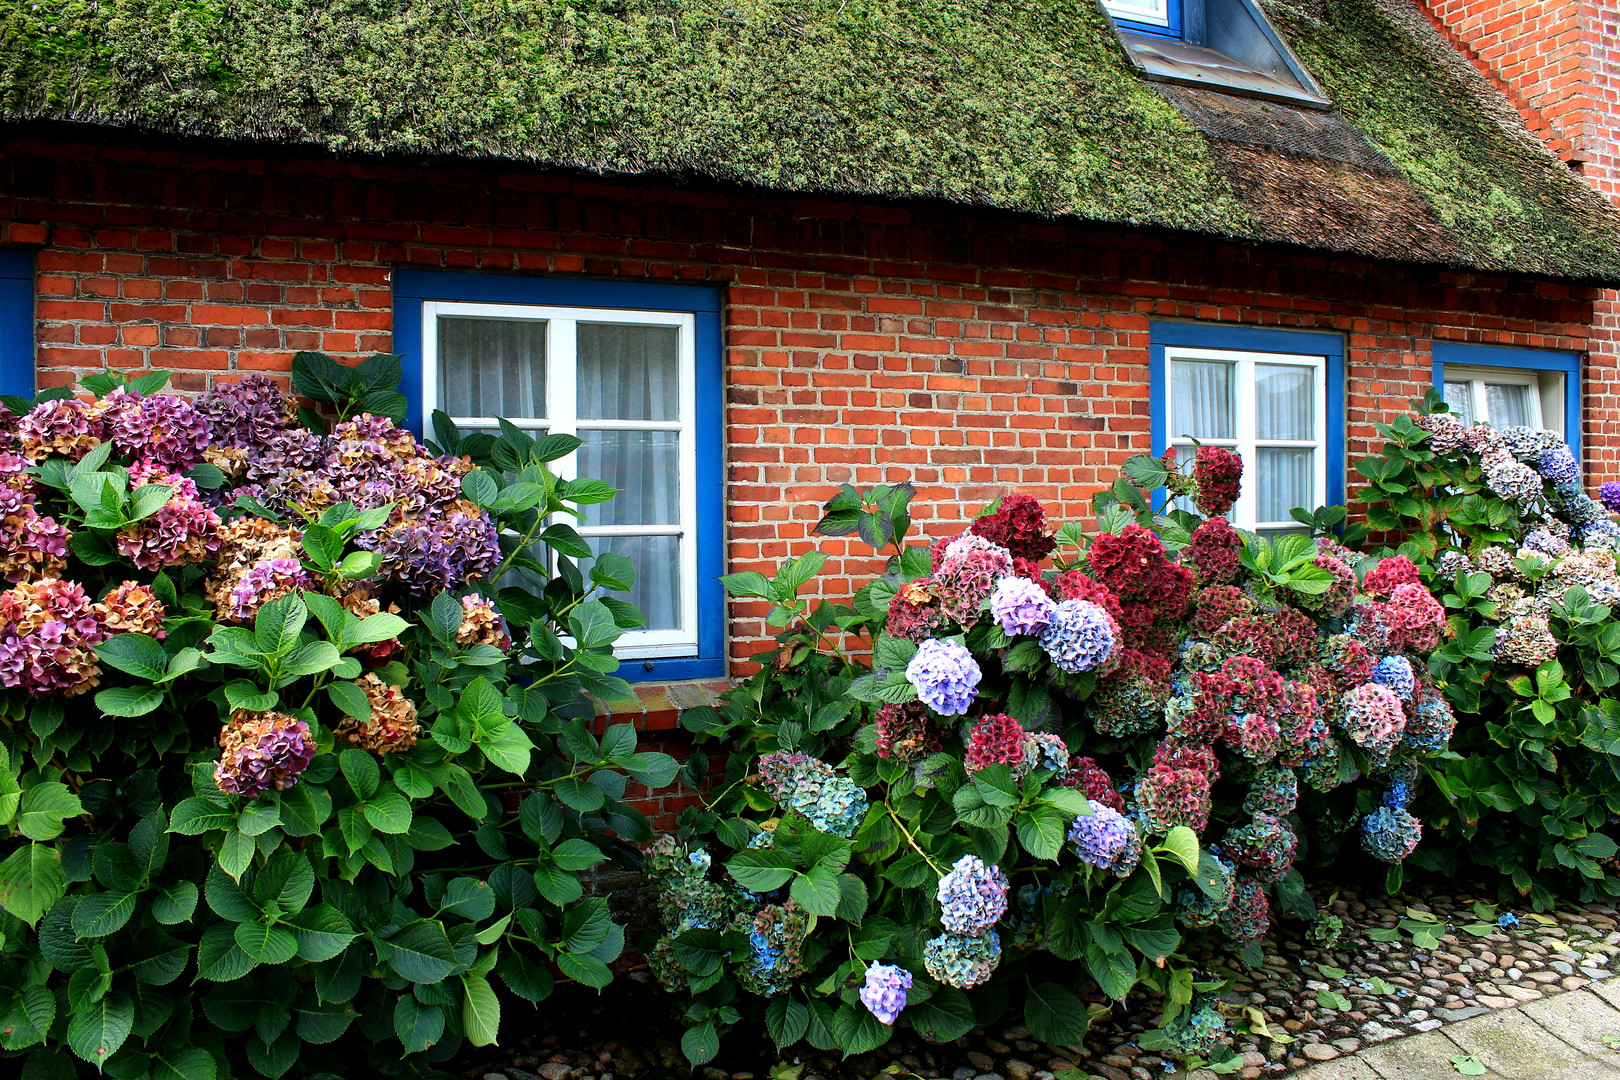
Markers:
{"x": 390, "y": 728}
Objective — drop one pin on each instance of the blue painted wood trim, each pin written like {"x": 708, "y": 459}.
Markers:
{"x": 17, "y": 323}
{"x": 413, "y": 287}
{"x": 1252, "y": 339}
{"x": 1174, "y": 30}
{"x": 1463, "y": 354}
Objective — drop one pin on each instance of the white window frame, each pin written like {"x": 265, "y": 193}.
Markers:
{"x": 1546, "y": 403}
{"x": 1246, "y": 443}
{"x": 1158, "y": 16}
{"x": 562, "y": 418}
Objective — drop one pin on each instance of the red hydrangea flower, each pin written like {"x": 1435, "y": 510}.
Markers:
{"x": 1213, "y": 551}
{"x": 1215, "y": 605}
{"x": 1218, "y": 474}
{"x": 914, "y": 613}
{"x": 1075, "y": 585}
{"x": 996, "y": 740}
{"x": 1089, "y": 778}
{"x": 1415, "y": 618}
{"x": 1170, "y": 797}
{"x": 1019, "y": 525}
{"x": 1254, "y": 735}
{"x": 905, "y": 731}
{"x": 1341, "y": 591}
{"x": 1390, "y": 572}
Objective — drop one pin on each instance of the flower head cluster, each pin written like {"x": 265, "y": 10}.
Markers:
{"x": 1171, "y": 794}
{"x": 884, "y": 993}
{"x": 1130, "y": 699}
{"x": 1092, "y": 781}
{"x": 247, "y": 412}
{"x": 481, "y": 624}
{"x": 905, "y": 732}
{"x": 1396, "y": 673}
{"x": 687, "y": 898}
{"x": 1414, "y": 619}
{"x": 1526, "y": 640}
{"x": 48, "y": 633}
{"x": 915, "y": 612}
{"x": 184, "y": 529}
{"x": 1510, "y": 479}
{"x": 1254, "y": 735}
{"x": 1374, "y": 720}
{"x": 1213, "y": 550}
{"x": 1396, "y": 570}
{"x": 968, "y": 575}
{"x": 1266, "y": 844}
{"x": 165, "y": 430}
{"x": 1044, "y": 750}
{"x": 1390, "y": 833}
{"x": 1218, "y": 474}
{"x": 31, "y": 545}
{"x": 1336, "y": 599}
{"x": 1216, "y": 605}
{"x": 65, "y": 426}
{"x": 261, "y": 751}
{"x": 1249, "y": 916}
{"x": 997, "y": 739}
{"x": 1347, "y": 660}
{"x": 945, "y": 676}
{"x": 962, "y": 962}
{"x": 1431, "y": 723}
{"x": 1019, "y": 606}
{"x": 264, "y": 581}
{"x": 445, "y": 547}
{"x": 830, "y": 802}
{"x": 1195, "y": 1033}
{"x": 1609, "y": 493}
{"x": 1019, "y": 526}
{"x": 391, "y": 726}
{"x": 1082, "y": 636}
{"x": 1558, "y": 466}
{"x": 972, "y": 897}
{"x": 1273, "y": 791}
{"x": 1132, "y": 563}
{"x": 131, "y": 607}
{"x": 776, "y": 934}
{"x": 1445, "y": 431}
{"x": 1200, "y": 908}
{"x": 1106, "y": 839}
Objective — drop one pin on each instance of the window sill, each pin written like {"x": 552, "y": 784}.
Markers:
{"x": 658, "y": 706}
{"x": 1169, "y": 60}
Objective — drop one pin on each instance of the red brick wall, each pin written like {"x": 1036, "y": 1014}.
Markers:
{"x": 972, "y": 352}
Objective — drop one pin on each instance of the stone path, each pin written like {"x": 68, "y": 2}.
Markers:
{"x": 1570, "y": 1036}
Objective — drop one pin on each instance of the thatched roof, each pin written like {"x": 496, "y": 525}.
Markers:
{"x": 1023, "y": 106}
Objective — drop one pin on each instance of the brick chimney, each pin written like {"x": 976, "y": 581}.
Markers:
{"x": 1558, "y": 61}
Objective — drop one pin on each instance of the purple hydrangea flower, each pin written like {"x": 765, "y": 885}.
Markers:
{"x": 1559, "y": 466}
{"x": 246, "y": 413}
{"x": 946, "y": 676}
{"x": 1598, "y": 534}
{"x": 1609, "y": 493}
{"x": 962, "y": 962}
{"x": 165, "y": 430}
{"x": 1396, "y": 673}
{"x": 1374, "y": 720}
{"x": 266, "y": 580}
{"x": 1106, "y": 839}
{"x": 443, "y": 549}
{"x": 65, "y": 426}
{"x": 1581, "y": 509}
{"x": 48, "y": 634}
{"x": 972, "y": 897}
{"x": 1021, "y": 606}
{"x": 1390, "y": 833}
{"x": 884, "y": 994}
{"x": 1509, "y": 478}
{"x": 1082, "y": 636}
{"x": 261, "y": 751}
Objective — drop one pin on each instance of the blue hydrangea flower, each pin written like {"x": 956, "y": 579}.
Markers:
{"x": 972, "y": 897}
{"x": 1106, "y": 839}
{"x": 1021, "y": 606}
{"x": 1581, "y": 509}
{"x": 946, "y": 676}
{"x": 1543, "y": 542}
{"x": 1043, "y": 750}
{"x": 962, "y": 962}
{"x": 830, "y": 802}
{"x": 1396, "y": 673}
{"x": 1558, "y": 465}
{"x": 1194, "y": 1033}
{"x": 1507, "y": 920}
{"x": 1081, "y": 637}
{"x": 1201, "y": 910}
{"x": 1598, "y": 534}
{"x": 1390, "y": 834}
{"x": 884, "y": 994}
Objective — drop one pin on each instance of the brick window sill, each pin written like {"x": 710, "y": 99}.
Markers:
{"x": 658, "y": 706}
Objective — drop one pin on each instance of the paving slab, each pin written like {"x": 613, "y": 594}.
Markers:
{"x": 1418, "y": 1057}
{"x": 1608, "y": 991}
{"x": 1348, "y": 1068}
{"x": 1512, "y": 1044}
{"x": 1582, "y": 1019}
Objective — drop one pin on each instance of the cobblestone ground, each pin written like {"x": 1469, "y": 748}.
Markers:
{"x": 1425, "y": 965}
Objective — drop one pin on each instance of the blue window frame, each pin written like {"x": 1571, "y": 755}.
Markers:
{"x": 1161, "y": 17}
{"x": 554, "y": 320}
{"x": 1275, "y": 396}
{"x": 17, "y": 323}
{"x": 1492, "y": 374}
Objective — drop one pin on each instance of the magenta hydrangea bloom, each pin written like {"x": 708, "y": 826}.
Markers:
{"x": 444, "y": 548}
{"x": 165, "y": 429}
{"x": 968, "y": 574}
{"x": 48, "y": 634}
{"x": 1021, "y": 606}
{"x": 247, "y": 412}
{"x": 1374, "y": 720}
{"x": 884, "y": 994}
{"x": 184, "y": 530}
{"x": 261, "y": 751}
{"x": 264, "y": 581}
{"x": 945, "y": 676}
{"x": 972, "y": 897}
{"x": 30, "y": 545}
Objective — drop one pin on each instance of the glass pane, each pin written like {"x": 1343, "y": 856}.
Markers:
{"x": 658, "y": 589}
{"x": 629, "y": 372}
{"x": 646, "y": 468}
{"x": 1287, "y": 478}
{"x": 1509, "y": 404}
{"x": 1460, "y": 396}
{"x": 1201, "y": 403}
{"x": 492, "y": 367}
{"x": 1284, "y": 402}
{"x": 1152, "y": 11}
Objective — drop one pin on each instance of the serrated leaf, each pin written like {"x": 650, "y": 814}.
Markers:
{"x": 95, "y": 1033}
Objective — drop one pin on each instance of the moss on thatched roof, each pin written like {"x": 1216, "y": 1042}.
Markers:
{"x": 1028, "y": 107}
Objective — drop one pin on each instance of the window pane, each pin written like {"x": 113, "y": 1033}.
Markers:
{"x": 657, "y": 591}
{"x": 644, "y": 466}
{"x": 1286, "y": 479}
{"x": 1509, "y": 404}
{"x": 629, "y": 372}
{"x": 1460, "y": 396}
{"x": 1284, "y": 402}
{"x": 1150, "y": 11}
{"x": 1201, "y": 402}
{"x": 492, "y": 367}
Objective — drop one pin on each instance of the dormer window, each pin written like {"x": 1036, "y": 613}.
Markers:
{"x": 1225, "y": 45}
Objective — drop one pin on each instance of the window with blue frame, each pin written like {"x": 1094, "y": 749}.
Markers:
{"x": 1147, "y": 16}
{"x": 634, "y": 371}
{"x": 17, "y": 323}
{"x": 1508, "y": 387}
{"x": 1276, "y": 397}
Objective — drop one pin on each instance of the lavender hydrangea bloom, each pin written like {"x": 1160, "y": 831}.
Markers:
{"x": 246, "y": 413}
{"x": 1544, "y": 543}
{"x": 1598, "y": 534}
{"x": 1021, "y": 606}
{"x": 1390, "y": 833}
{"x": 266, "y": 580}
{"x": 1396, "y": 673}
{"x": 1609, "y": 493}
{"x": 884, "y": 994}
{"x": 972, "y": 897}
{"x": 1581, "y": 509}
{"x": 1559, "y": 466}
{"x": 1081, "y": 637}
{"x": 946, "y": 676}
{"x": 1509, "y": 479}
{"x": 962, "y": 962}
{"x": 440, "y": 550}
{"x": 165, "y": 430}
{"x": 1106, "y": 839}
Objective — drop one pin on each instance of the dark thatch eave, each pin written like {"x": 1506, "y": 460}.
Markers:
{"x": 1024, "y": 107}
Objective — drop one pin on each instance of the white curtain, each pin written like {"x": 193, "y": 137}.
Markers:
{"x": 1460, "y": 396}
{"x": 492, "y": 367}
{"x": 1201, "y": 400}
{"x": 629, "y": 372}
{"x": 1284, "y": 402}
{"x": 1287, "y": 478}
{"x": 1509, "y": 404}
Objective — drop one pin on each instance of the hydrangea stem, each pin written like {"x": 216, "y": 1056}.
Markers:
{"x": 911, "y": 839}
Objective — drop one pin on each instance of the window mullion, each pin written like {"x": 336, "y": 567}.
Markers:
{"x": 1248, "y": 507}
{"x": 562, "y": 380}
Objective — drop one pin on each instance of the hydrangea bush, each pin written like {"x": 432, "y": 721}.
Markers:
{"x": 1499, "y": 525}
{"x": 290, "y": 787}
{"x": 1025, "y": 761}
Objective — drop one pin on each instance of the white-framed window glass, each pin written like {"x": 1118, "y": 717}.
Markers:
{"x": 1153, "y": 12}
{"x": 624, "y": 383}
{"x": 1271, "y": 409}
{"x": 1506, "y": 397}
